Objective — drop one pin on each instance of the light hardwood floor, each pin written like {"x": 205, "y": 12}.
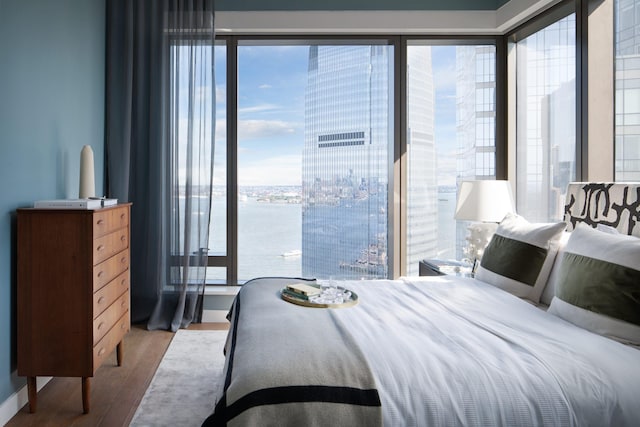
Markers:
{"x": 115, "y": 391}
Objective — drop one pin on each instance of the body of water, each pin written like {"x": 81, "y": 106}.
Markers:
{"x": 266, "y": 232}
{"x": 270, "y": 236}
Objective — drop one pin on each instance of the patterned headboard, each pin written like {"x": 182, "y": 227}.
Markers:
{"x": 613, "y": 204}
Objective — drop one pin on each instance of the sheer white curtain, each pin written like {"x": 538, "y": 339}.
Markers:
{"x": 160, "y": 139}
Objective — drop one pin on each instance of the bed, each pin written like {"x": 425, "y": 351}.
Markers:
{"x": 560, "y": 347}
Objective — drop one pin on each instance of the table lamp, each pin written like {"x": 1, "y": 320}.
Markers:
{"x": 486, "y": 203}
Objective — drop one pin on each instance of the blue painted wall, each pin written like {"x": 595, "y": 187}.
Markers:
{"x": 51, "y": 104}
{"x": 245, "y": 5}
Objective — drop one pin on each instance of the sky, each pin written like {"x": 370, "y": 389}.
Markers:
{"x": 271, "y": 90}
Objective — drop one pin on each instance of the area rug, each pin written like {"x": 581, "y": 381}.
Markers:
{"x": 184, "y": 389}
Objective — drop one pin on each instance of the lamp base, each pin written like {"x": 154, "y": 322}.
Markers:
{"x": 479, "y": 236}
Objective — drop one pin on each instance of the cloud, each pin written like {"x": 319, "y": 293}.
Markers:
{"x": 250, "y": 129}
{"x": 257, "y": 108}
{"x": 221, "y": 129}
{"x": 221, "y": 94}
{"x": 265, "y": 86}
{"x": 446, "y": 166}
{"x": 277, "y": 170}
{"x": 219, "y": 173}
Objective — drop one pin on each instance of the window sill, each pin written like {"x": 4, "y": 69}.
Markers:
{"x": 221, "y": 290}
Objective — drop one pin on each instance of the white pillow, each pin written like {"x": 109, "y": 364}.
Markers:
{"x": 607, "y": 229}
{"x": 598, "y": 284}
{"x": 520, "y": 256}
{"x": 550, "y": 288}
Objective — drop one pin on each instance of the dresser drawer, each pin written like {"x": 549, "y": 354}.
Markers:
{"x": 104, "y": 297}
{"x": 108, "y": 220}
{"x": 106, "y": 246}
{"x": 103, "y": 323}
{"x": 110, "y": 340}
{"x": 106, "y": 271}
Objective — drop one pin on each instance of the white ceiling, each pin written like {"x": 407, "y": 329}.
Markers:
{"x": 484, "y": 22}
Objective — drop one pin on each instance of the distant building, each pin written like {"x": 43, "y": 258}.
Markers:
{"x": 475, "y": 121}
{"x": 627, "y": 92}
{"x": 422, "y": 191}
{"x": 546, "y": 122}
{"x": 345, "y": 166}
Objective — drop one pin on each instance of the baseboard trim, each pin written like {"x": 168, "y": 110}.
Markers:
{"x": 17, "y": 400}
{"x": 214, "y": 316}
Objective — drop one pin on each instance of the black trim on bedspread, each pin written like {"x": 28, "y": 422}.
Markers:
{"x": 234, "y": 335}
{"x": 291, "y": 394}
{"x": 277, "y": 395}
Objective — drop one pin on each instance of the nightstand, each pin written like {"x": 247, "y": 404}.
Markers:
{"x": 439, "y": 267}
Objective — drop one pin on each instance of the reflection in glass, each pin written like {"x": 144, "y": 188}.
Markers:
{"x": 546, "y": 110}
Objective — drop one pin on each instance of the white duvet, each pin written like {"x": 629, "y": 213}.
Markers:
{"x": 450, "y": 351}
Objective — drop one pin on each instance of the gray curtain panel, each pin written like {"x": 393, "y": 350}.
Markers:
{"x": 160, "y": 124}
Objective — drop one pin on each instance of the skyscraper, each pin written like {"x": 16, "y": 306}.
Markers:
{"x": 422, "y": 190}
{"x": 627, "y": 94}
{"x": 545, "y": 120}
{"x": 346, "y": 161}
{"x": 475, "y": 121}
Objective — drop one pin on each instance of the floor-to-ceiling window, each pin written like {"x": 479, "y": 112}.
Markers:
{"x": 308, "y": 151}
{"x": 451, "y": 119}
{"x": 545, "y": 76}
{"x": 271, "y": 83}
{"x": 315, "y": 138}
{"x": 627, "y": 89}
{"x": 217, "y": 269}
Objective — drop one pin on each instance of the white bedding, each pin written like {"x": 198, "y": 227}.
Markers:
{"x": 484, "y": 357}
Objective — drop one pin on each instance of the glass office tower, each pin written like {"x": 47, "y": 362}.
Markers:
{"x": 627, "y": 88}
{"x": 545, "y": 120}
{"x": 475, "y": 121}
{"x": 423, "y": 219}
{"x": 346, "y": 161}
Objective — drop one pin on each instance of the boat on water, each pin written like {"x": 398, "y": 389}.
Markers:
{"x": 295, "y": 252}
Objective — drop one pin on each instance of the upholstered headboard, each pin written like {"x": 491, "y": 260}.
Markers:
{"x": 614, "y": 204}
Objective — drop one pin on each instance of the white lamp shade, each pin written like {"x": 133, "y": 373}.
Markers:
{"x": 487, "y": 201}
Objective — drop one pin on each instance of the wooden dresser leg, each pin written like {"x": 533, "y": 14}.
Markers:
{"x": 119, "y": 352}
{"x": 86, "y": 391}
{"x": 32, "y": 392}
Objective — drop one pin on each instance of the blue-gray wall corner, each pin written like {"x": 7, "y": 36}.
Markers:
{"x": 52, "y": 83}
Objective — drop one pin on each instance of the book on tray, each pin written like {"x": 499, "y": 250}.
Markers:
{"x": 302, "y": 291}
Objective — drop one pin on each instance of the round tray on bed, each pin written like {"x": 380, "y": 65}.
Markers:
{"x": 353, "y": 300}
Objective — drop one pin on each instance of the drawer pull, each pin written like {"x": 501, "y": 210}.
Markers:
{"x": 100, "y": 248}
{"x": 123, "y": 326}
{"x": 123, "y": 238}
{"x": 100, "y": 300}
{"x": 100, "y": 325}
{"x": 122, "y": 216}
{"x": 100, "y": 273}
{"x": 123, "y": 282}
{"x": 101, "y": 351}
{"x": 122, "y": 304}
{"x": 100, "y": 222}
{"x": 123, "y": 260}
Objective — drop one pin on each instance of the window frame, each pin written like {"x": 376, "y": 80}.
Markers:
{"x": 397, "y": 212}
{"x": 534, "y": 25}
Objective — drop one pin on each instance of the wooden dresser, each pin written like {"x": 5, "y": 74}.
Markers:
{"x": 72, "y": 292}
